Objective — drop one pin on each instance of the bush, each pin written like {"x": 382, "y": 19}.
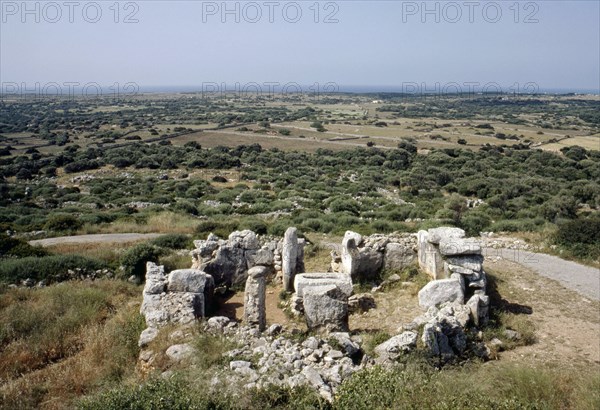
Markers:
{"x": 221, "y": 229}
{"x": 14, "y": 247}
{"x": 62, "y": 222}
{"x": 51, "y": 268}
{"x": 135, "y": 259}
{"x": 417, "y": 386}
{"x": 580, "y": 236}
{"x": 255, "y": 225}
{"x": 172, "y": 241}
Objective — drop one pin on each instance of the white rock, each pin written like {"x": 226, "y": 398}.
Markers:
{"x": 147, "y": 336}
{"x": 441, "y": 291}
{"x": 180, "y": 352}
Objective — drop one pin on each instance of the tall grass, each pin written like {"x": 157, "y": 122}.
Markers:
{"x": 162, "y": 222}
{"x": 66, "y": 340}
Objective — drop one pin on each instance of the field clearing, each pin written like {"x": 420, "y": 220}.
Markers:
{"x": 233, "y": 139}
{"x": 585, "y": 142}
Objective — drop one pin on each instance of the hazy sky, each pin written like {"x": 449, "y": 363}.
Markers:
{"x": 553, "y": 44}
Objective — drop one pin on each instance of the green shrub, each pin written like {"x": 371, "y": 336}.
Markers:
{"x": 134, "y": 259}
{"x": 62, "y": 222}
{"x": 51, "y": 268}
{"x": 14, "y": 247}
{"x": 221, "y": 229}
{"x": 156, "y": 394}
{"x": 172, "y": 241}
{"x": 417, "y": 386}
{"x": 255, "y": 225}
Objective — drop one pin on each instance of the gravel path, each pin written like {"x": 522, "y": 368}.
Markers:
{"x": 96, "y": 238}
{"x": 580, "y": 278}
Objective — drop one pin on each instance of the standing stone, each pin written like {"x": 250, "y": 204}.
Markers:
{"x": 430, "y": 259}
{"x": 360, "y": 262}
{"x": 289, "y": 258}
{"x": 254, "y": 298}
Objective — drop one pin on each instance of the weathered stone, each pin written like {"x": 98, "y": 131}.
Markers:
{"x": 274, "y": 329}
{"x": 457, "y": 246}
{"x": 255, "y": 298}
{"x": 187, "y": 280}
{"x": 156, "y": 280}
{"x": 289, "y": 256}
{"x": 218, "y": 322}
{"x": 359, "y": 263}
{"x": 437, "y": 235}
{"x": 180, "y": 352}
{"x": 306, "y": 280}
{"x": 473, "y": 263}
{"x": 313, "y": 377}
{"x": 395, "y": 346}
{"x": 228, "y": 266}
{"x": 398, "y": 256}
{"x": 430, "y": 259}
{"x": 349, "y": 347}
{"x": 326, "y": 308}
{"x": 147, "y": 336}
{"x": 186, "y": 295}
{"x": 441, "y": 291}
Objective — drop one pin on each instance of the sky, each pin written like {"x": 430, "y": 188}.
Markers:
{"x": 462, "y": 45}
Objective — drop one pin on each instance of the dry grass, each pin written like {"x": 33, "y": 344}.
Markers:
{"x": 164, "y": 222}
{"x": 108, "y": 252}
{"x": 66, "y": 340}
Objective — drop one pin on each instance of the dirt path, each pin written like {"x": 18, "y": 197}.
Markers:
{"x": 96, "y": 238}
{"x": 567, "y": 324}
{"x": 580, "y": 278}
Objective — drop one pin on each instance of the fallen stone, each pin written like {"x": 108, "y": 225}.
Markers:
{"x": 362, "y": 302}
{"x": 456, "y": 246}
{"x": 437, "y": 292}
{"x": 395, "y": 346}
{"x": 147, "y": 336}
{"x": 180, "y": 352}
{"x": 306, "y": 280}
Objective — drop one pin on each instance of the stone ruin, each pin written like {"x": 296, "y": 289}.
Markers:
{"x": 323, "y": 300}
{"x": 228, "y": 261}
{"x": 180, "y": 297}
{"x": 456, "y": 265}
{"x": 365, "y": 258}
{"x": 453, "y": 299}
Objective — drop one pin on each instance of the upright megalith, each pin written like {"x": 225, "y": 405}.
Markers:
{"x": 289, "y": 257}
{"x": 254, "y": 298}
